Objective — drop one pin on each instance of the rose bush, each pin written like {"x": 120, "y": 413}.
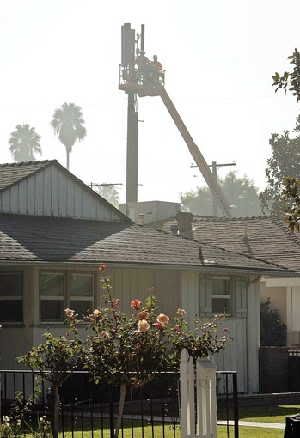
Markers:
{"x": 121, "y": 348}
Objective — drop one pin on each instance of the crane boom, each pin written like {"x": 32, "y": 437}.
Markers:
{"x": 195, "y": 152}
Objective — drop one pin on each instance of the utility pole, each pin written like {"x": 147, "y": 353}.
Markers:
{"x": 214, "y": 170}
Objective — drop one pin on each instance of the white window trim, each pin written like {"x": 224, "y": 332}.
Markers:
{"x": 66, "y": 297}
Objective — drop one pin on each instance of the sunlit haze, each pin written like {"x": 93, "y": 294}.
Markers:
{"x": 219, "y": 57}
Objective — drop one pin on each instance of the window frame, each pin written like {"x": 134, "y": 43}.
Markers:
{"x": 227, "y": 296}
{"x": 66, "y": 298}
{"x": 81, "y": 298}
{"x": 18, "y": 298}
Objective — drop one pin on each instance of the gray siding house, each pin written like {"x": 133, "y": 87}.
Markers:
{"x": 54, "y": 232}
{"x": 264, "y": 237}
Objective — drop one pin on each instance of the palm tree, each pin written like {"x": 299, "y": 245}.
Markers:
{"x": 68, "y": 124}
{"x": 24, "y": 143}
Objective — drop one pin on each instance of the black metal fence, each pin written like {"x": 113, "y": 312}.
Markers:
{"x": 86, "y": 409}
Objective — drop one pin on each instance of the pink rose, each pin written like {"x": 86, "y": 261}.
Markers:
{"x": 143, "y": 315}
{"x": 181, "y": 312}
{"x": 143, "y": 325}
{"x": 102, "y": 267}
{"x": 163, "y": 319}
{"x": 158, "y": 325}
{"x": 115, "y": 303}
{"x": 177, "y": 328}
{"x": 69, "y": 313}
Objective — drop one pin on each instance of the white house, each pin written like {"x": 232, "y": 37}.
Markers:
{"x": 54, "y": 232}
{"x": 264, "y": 237}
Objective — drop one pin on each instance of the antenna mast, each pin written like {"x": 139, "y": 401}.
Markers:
{"x": 139, "y": 76}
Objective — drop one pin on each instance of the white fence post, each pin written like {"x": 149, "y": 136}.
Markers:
{"x": 202, "y": 383}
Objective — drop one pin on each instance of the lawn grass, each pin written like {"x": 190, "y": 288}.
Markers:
{"x": 268, "y": 414}
{"x": 245, "y": 432}
{"x": 252, "y": 432}
{"x": 264, "y": 414}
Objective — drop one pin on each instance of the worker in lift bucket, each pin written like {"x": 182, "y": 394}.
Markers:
{"x": 156, "y": 63}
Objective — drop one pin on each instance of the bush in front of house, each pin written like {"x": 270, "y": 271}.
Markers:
{"x": 272, "y": 329}
{"x": 124, "y": 349}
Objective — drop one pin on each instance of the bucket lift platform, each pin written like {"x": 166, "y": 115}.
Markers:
{"x": 144, "y": 78}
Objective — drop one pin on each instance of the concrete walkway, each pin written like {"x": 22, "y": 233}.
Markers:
{"x": 280, "y": 426}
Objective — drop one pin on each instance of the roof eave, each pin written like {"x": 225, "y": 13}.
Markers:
{"x": 154, "y": 265}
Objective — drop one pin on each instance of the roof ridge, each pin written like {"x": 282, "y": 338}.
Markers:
{"x": 234, "y": 218}
{"x": 26, "y": 163}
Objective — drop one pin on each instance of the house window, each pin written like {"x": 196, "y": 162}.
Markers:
{"x": 81, "y": 291}
{"x": 11, "y": 297}
{"x": 61, "y": 290}
{"x": 52, "y": 296}
{"x": 221, "y": 296}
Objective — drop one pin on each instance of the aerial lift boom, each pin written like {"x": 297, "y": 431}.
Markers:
{"x": 143, "y": 77}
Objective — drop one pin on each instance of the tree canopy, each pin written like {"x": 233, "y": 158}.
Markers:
{"x": 283, "y": 163}
{"x": 110, "y": 193}
{"x": 24, "y": 143}
{"x": 68, "y": 125}
{"x": 241, "y": 194}
{"x": 289, "y": 80}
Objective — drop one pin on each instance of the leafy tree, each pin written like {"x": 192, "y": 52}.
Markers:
{"x": 284, "y": 162}
{"x": 272, "y": 330}
{"x": 288, "y": 184}
{"x": 24, "y": 143}
{"x": 68, "y": 125}
{"x": 59, "y": 355}
{"x": 110, "y": 193}
{"x": 289, "y": 80}
{"x": 241, "y": 194}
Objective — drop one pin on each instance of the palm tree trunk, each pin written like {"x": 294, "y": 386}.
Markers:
{"x": 68, "y": 158}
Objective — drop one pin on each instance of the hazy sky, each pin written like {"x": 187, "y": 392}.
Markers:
{"x": 219, "y": 57}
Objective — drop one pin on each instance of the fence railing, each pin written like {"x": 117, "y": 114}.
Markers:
{"x": 152, "y": 410}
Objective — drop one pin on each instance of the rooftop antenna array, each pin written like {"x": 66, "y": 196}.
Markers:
{"x": 138, "y": 77}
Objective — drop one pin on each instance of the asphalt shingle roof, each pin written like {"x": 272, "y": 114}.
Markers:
{"x": 32, "y": 238}
{"x": 264, "y": 237}
{"x": 11, "y": 173}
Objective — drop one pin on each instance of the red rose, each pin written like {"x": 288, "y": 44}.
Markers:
{"x": 135, "y": 304}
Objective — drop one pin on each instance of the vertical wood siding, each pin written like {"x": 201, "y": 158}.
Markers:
{"x": 190, "y": 294}
{"x": 241, "y": 354}
{"x": 140, "y": 283}
{"x": 234, "y": 357}
{"x": 52, "y": 193}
